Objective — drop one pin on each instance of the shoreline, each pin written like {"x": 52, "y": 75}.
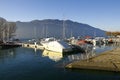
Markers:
{"x": 108, "y": 61}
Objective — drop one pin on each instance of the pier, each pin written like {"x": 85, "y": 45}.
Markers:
{"x": 108, "y": 61}
{"x": 9, "y": 45}
{"x": 37, "y": 46}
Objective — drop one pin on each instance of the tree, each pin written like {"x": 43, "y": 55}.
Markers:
{"x": 3, "y": 24}
{"x": 7, "y": 30}
{"x": 115, "y": 34}
{"x": 11, "y": 29}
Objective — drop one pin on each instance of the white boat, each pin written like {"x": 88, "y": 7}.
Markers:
{"x": 56, "y": 45}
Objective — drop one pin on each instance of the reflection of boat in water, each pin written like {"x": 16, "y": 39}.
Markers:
{"x": 55, "y": 56}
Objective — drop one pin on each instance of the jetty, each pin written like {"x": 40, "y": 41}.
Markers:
{"x": 9, "y": 45}
{"x": 28, "y": 45}
{"x": 108, "y": 61}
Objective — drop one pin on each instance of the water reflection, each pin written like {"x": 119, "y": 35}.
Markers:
{"x": 23, "y": 64}
{"x": 55, "y": 56}
{"x": 7, "y": 54}
{"x": 82, "y": 56}
{"x": 90, "y": 51}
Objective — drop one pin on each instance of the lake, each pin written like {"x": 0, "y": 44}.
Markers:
{"x": 29, "y": 64}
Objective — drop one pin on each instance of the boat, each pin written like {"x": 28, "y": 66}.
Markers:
{"x": 56, "y": 45}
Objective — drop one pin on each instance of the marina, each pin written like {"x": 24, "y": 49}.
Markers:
{"x": 60, "y": 40}
{"x": 28, "y": 63}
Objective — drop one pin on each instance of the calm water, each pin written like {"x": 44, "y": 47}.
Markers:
{"x": 29, "y": 64}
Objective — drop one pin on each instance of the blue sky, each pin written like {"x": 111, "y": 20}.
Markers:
{"x": 103, "y": 14}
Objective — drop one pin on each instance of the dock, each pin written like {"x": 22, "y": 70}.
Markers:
{"x": 108, "y": 61}
{"x": 37, "y": 46}
{"x": 9, "y": 45}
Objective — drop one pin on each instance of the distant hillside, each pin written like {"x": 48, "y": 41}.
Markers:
{"x": 54, "y": 28}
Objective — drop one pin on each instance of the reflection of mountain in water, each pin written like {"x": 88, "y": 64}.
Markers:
{"x": 55, "y": 56}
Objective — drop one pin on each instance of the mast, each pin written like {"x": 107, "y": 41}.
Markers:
{"x": 3, "y": 36}
{"x": 46, "y": 31}
{"x": 94, "y": 33}
{"x": 8, "y": 32}
{"x": 64, "y": 29}
{"x": 71, "y": 33}
{"x": 35, "y": 33}
{"x": 43, "y": 31}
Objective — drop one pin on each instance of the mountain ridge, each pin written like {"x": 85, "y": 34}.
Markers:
{"x": 54, "y": 27}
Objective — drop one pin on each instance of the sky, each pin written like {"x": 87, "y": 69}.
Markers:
{"x": 103, "y": 14}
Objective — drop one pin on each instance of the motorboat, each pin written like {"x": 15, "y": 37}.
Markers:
{"x": 56, "y": 45}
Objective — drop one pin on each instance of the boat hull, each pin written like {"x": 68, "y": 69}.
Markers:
{"x": 57, "y": 46}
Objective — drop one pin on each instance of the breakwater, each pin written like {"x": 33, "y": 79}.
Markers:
{"x": 109, "y": 60}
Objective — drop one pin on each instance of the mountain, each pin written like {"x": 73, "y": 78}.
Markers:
{"x": 54, "y": 28}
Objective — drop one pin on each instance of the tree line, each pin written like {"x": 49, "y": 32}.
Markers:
{"x": 7, "y": 30}
{"x": 115, "y": 34}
